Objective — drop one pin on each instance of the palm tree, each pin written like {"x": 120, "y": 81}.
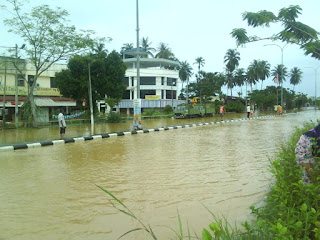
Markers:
{"x": 164, "y": 51}
{"x": 185, "y": 71}
{"x": 126, "y": 46}
{"x": 100, "y": 51}
{"x": 200, "y": 61}
{"x": 231, "y": 59}
{"x": 146, "y": 45}
{"x": 240, "y": 78}
{"x": 250, "y": 76}
{"x": 280, "y": 71}
{"x": 295, "y": 76}
{"x": 254, "y": 72}
{"x": 264, "y": 71}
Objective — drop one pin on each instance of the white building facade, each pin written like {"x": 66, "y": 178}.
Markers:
{"x": 159, "y": 82}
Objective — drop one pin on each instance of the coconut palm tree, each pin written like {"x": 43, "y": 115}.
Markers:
{"x": 264, "y": 70}
{"x": 231, "y": 59}
{"x": 295, "y": 76}
{"x": 251, "y": 77}
{"x": 254, "y": 72}
{"x": 126, "y": 46}
{"x": 280, "y": 71}
{"x": 240, "y": 78}
{"x": 164, "y": 51}
{"x": 99, "y": 50}
{"x": 200, "y": 61}
{"x": 146, "y": 45}
{"x": 185, "y": 71}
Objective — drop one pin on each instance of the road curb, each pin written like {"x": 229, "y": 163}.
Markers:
{"x": 118, "y": 134}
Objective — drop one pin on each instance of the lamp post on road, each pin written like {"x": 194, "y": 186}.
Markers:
{"x": 315, "y": 86}
{"x": 282, "y": 77}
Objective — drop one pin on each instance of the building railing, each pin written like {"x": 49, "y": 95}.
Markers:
{"x": 161, "y": 103}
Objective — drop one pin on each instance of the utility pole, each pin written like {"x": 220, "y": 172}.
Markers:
{"x": 137, "y": 102}
{"x": 16, "y": 106}
{"x": 4, "y": 96}
{"x": 90, "y": 98}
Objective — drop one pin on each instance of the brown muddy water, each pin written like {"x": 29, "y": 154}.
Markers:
{"x": 50, "y": 192}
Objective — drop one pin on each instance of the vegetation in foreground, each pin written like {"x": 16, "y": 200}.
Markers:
{"x": 291, "y": 209}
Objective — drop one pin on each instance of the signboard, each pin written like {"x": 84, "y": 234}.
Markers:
{"x": 137, "y": 114}
{"x": 152, "y": 97}
{"x": 23, "y": 91}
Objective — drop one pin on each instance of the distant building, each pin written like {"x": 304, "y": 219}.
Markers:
{"x": 158, "y": 82}
{"x": 47, "y": 96}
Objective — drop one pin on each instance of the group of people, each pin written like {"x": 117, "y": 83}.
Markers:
{"x": 222, "y": 110}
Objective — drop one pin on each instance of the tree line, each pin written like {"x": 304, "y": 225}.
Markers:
{"x": 50, "y": 38}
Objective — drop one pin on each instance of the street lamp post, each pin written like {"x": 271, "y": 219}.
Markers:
{"x": 282, "y": 77}
{"x": 315, "y": 86}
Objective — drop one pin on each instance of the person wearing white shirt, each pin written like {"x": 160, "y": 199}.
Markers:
{"x": 62, "y": 123}
{"x": 248, "y": 111}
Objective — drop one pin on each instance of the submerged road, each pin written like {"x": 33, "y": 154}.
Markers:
{"x": 49, "y": 192}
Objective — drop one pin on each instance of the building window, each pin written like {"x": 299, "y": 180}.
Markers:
{"x": 132, "y": 81}
{"x": 132, "y": 94}
{"x": 162, "y": 80}
{"x": 126, "y": 94}
{"x": 162, "y": 96}
{"x": 171, "y": 82}
{"x": 168, "y": 94}
{"x": 147, "y": 81}
{"x": 20, "y": 81}
{"x": 143, "y": 93}
{"x": 30, "y": 79}
{"x": 53, "y": 83}
{"x": 126, "y": 81}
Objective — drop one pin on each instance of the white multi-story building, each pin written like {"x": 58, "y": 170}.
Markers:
{"x": 159, "y": 85}
{"x": 158, "y": 82}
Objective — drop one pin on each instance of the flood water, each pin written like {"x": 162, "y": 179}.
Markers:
{"x": 50, "y": 192}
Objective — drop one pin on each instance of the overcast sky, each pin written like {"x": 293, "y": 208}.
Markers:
{"x": 191, "y": 29}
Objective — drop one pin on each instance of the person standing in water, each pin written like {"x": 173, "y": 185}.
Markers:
{"x": 62, "y": 123}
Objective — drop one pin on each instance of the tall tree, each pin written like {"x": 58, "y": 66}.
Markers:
{"x": 185, "y": 72}
{"x": 295, "y": 76}
{"x": 48, "y": 37}
{"x": 280, "y": 71}
{"x": 164, "y": 51}
{"x": 231, "y": 59}
{"x": 126, "y": 46}
{"x": 293, "y": 31}
{"x": 240, "y": 78}
{"x": 146, "y": 45}
{"x": 107, "y": 74}
{"x": 251, "y": 74}
{"x": 264, "y": 71}
{"x": 200, "y": 62}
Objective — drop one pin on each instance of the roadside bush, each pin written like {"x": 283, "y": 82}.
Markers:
{"x": 235, "y": 107}
{"x": 114, "y": 117}
{"x": 148, "y": 112}
{"x": 292, "y": 208}
{"x": 167, "y": 109}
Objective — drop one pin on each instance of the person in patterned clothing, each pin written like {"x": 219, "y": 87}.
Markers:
{"x": 308, "y": 148}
